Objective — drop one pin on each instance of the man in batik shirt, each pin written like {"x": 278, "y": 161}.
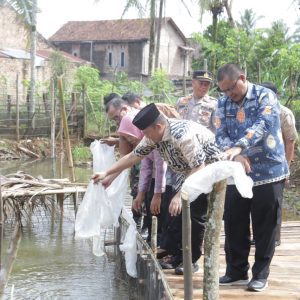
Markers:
{"x": 184, "y": 145}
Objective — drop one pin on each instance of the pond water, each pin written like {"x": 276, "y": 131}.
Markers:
{"x": 50, "y": 263}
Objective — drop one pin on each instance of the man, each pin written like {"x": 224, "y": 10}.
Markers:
{"x": 248, "y": 129}
{"x": 185, "y": 146}
{"x": 290, "y": 137}
{"x": 136, "y": 101}
{"x": 199, "y": 106}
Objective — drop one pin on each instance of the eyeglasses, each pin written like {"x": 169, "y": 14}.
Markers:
{"x": 230, "y": 89}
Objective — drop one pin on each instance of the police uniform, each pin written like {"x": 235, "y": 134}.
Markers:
{"x": 199, "y": 110}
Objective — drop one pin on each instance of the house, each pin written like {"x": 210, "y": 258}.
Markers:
{"x": 123, "y": 45}
{"x": 15, "y": 57}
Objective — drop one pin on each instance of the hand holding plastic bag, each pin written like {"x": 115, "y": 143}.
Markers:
{"x": 202, "y": 181}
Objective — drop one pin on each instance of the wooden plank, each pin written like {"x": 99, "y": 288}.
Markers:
{"x": 45, "y": 191}
{"x": 284, "y": 279}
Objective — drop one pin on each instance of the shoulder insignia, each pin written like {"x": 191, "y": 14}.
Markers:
{"x": 184, "y": 100}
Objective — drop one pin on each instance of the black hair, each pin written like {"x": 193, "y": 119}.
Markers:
{"x": 231, "y": 71}
{"x": 109, "y": 97}
{"x": 116, "y": 102}
{"x": 130, "y": 97}
{"x": 269, "y": 85}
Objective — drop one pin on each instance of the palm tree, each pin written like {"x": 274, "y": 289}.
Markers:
{"x": 248, "y": 20}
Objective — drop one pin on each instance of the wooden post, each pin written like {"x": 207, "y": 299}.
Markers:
{"x": 8, "y": 100}
{"x": 74, "y": 112}
{"x": 184, "y": 69}
{"x": 186, "y": 247}
{"x": 66, "y": 129}
{"x": 46, "y": 103}
{"x": 212, "y": 241}
{"x": 11, "y": 255}
{"x": 52, "y": 125}
{"x": 84, "y": 112}
{"x": 205, "y": 65}
{"x": 17, "y": 109}
{"x": 154, "y": 234}
{"x": 1, "y": 224}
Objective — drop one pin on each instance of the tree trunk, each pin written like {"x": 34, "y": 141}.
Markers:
{"x": 214, "y": 39}
{"x": 212, "y": 241}
{"x": 228, "y": 8}
{"x": 32, "y": 59}
{"x": 161, "y": 6}
{"x": 152, "y": 37}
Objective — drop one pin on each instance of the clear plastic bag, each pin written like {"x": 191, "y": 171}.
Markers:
{"x": 100, "y": 208}
{"x": 202, "y": 181}
{"x": 129, "y": 247}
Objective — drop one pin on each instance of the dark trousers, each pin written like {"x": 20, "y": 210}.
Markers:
{"x": 173, "y": 239}
{"x": 148, "y": 217}
{"x": 263, "y": 208}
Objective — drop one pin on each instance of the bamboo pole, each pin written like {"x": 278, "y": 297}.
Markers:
{"x": 11, "y": 255}
{"x": 1, "y": 224}
{"x": 186, "y": 247}
{"x": 212, "y": 241}
{"x": 52, "y": 119}
{"x": 66, "y": 129}
{"x": 17, "y": 109}
{"x": 154, "y": 234}
{"x": 84, "y": 112}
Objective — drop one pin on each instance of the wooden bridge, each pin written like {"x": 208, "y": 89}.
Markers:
{"x": 284, "y": 279}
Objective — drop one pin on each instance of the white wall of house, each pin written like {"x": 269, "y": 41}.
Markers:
{"x": 170, "y": 57}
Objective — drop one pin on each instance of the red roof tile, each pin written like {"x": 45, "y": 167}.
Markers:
{"x": 107, "y": 30}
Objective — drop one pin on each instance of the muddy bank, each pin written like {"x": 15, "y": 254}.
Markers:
{"x": 29, "y": 148}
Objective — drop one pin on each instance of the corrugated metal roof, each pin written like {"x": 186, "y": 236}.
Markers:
{"x": 21, "y": 54}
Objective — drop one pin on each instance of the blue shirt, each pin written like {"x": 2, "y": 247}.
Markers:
{"x": 254, "y": 126}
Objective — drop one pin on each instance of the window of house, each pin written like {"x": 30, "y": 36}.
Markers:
{"x": 110, "y": 62}
{"x": 76, "y": 50}
{"x": 122, "y": 59}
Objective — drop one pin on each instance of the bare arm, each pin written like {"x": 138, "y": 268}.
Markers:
{"x": 125, "y": 162}
{"x": 175, "y": 205}
{"x": 289, "y": 150}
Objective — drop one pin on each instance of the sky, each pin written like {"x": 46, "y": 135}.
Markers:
{"x": 55, "y": 13}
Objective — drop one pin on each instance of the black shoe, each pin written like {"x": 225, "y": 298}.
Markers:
{"x": 179, "y": 270}
{"x": 162, "y": 254}
{"x": 257, "y": 285}
{"x": 168, "y": 263}
{"x": 227, "y": 280}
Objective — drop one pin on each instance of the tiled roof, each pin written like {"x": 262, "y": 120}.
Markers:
{"x": 107, "y": 30}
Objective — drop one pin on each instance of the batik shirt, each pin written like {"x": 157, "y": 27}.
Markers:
{"x": 201, "y": 110}
{"x": 185, "y": 145}
{"x": 255, "y": 127}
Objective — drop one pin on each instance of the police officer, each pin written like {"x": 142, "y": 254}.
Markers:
{"x": 199, "y": 107}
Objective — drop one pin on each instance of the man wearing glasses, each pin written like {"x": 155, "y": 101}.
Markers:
{"x": 248, "y": 129}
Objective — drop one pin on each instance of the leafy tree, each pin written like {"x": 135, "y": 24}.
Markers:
{"x": 160, "y": 85}
{"x": 248, "y": 20}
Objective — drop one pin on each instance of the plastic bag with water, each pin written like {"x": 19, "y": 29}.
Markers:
{"x": 202, "y": 181}
{"x": 100, "y": 208}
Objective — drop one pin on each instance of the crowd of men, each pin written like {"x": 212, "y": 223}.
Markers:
{"x": 163, "y": 145}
